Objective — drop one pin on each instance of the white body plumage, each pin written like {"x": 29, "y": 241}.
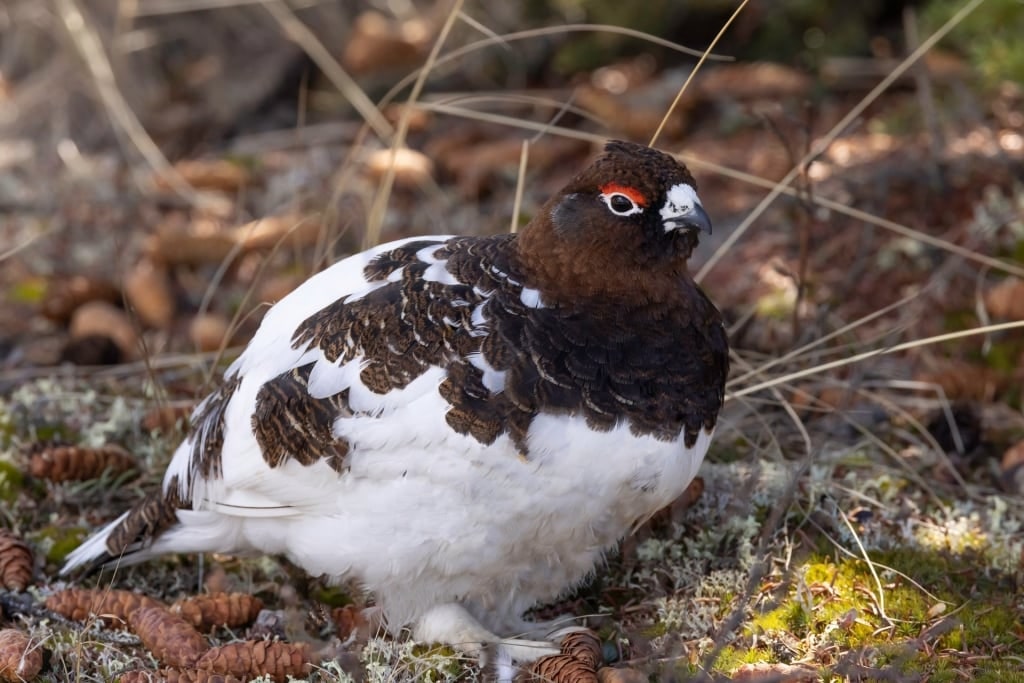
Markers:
{"x": 422, "y": 516}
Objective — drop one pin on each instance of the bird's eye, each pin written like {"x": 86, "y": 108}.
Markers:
{"x": 621, "y": 204}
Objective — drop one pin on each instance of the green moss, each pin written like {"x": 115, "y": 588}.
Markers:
{"x": 994, "y": 625}
{"x": 826, "y": 592}
{"x": 772, "y": 620}
{"x": 11, "y": 481}
{"x": 729, "y": 451}
{"x": 332, "y": 596}
{"x": 1000, "y": 672}
{"x": 55, "y": 432}
{"x": 731, "y": 658}
{"x": 989, "y": 36}
{"x": 655, "y": 630}
{"x": 58, "y": 541}
{"x": 28, "y": 291}
{"x": 437, "y": 663}
{"x": 1003, "y": 355}
{"x": 777, "y": 304}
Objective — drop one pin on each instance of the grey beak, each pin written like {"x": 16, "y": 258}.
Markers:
{"x": 695, "y": 218}
{"x": 698, "y": 219}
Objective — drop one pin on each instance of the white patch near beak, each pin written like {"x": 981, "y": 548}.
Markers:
{"x": 683, "y": 209}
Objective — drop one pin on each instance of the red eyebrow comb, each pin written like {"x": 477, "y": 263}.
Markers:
{"x": 632, "y": 193}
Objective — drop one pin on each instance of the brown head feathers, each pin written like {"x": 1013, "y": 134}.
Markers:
{"x": 622, "y": 229}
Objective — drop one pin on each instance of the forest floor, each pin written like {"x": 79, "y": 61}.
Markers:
{"x": 860, "y": 515}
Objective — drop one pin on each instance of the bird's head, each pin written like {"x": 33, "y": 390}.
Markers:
{"x": 630, "y": 218}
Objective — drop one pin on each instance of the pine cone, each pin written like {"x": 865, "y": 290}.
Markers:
{"x": 561, "y": 668}
{"x": 347, "y": 621}
{"x": 171, "y": 639}
{"x": 584, "y": 646}
{"x": 206, "y": 612}
{"x": 166, "y": 418}
{"x": 252, "y": 658}
{"x": 16, "y": 562}
{"x": 175, "y": 676}
{"x": 113, "y": 606}
{"x": 577, "y": 663}
{"x": 625, "y": 675}
{"x": 64, "y": 295}
{"x": 63, "y": 462}
{"x": 20, "y": 660}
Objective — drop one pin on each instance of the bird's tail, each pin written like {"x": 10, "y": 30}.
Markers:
{"x": 126, "y": 539}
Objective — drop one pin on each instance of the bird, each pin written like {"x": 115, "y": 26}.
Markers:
{"x": 463, "y": 425}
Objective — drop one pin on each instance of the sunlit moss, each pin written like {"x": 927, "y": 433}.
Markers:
{"x": 11, "y": 481}
{"x": 332, "y": 596}
{"x": 732, "y": 658}
{"x": 836, "y": 601}
{"x": 989, "y": 36}
{"x": 1000, "y": 672}
{"x": 777, "y": 304}
{"x": 57, "y": 541}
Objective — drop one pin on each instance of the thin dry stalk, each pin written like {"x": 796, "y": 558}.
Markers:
{"x": 842, "y": 362}
{"x": 823, "y": 143}
{"x": 241, "y": 312}
{"x": 375, "y": 221}
{"x": 761, "y": 369}
{"x": 90, "y": 48}
{"x": 161, "y": 7}
{"x": 925, "y": 94}
{"x": 546, "y": 31}
{"x": 321, "y": 56}
{"x": 563, "y": 106}
{"x": 693, "y": 72}
{"x": 902, "y": 464}
{"x": 520, "y": 182}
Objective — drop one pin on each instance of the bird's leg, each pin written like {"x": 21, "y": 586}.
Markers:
{"x": 453, "y": 625}
{"x": 550, "y": 629}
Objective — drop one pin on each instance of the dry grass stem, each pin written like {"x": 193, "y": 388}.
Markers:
{"x": 821, "y": 144}
{"x": 696, "y": 68}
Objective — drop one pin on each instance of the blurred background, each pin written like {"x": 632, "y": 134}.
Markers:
{"x": 138, "y": 140}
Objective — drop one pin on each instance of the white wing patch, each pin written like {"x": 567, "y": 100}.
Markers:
{"x": 269, "y": 354}
{"x": 531, "y": 298}
{"x": 493, "y": 379}
{"x": 327, "y": 378}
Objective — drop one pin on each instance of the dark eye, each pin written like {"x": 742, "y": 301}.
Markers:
{"x": 621, "y": 204}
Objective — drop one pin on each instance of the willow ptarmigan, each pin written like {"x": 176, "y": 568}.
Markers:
{"x": 463, "y": 425}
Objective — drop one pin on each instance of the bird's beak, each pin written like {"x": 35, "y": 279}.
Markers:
{"x": 695, "y": 218}
{"x": 682, "y": 211}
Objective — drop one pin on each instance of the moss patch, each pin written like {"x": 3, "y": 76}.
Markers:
{"x": 930, "y": 601}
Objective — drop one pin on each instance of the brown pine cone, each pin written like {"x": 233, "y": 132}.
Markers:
{"x": 584, "y": 646}
{"x": 16, "y": 563}
{"x": 577, "y": 663}
{"x": 64, "y": 462}
{"x": 353, "y": 622}
{"x": 166, "y": 418}
{"x": 561, "y": 668}
{"x": 206, "y": 612}
{"x": 20, "y": 659}
{"x": 64, "y": 295}
{"x": 113, "y": 606}
{"x": 624, "y": 675}
{"x": 252, "y": 658}
{"x": 171, "y": 639}
{"x": 175, "y": 676}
